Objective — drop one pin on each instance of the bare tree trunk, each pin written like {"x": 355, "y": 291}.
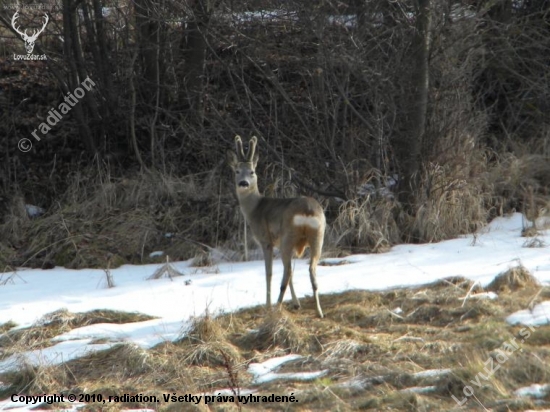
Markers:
{"x": 148, "y": 27}
{"x": 103, "y": 58}
{"x": 194, "y": 54}
{"x": 96, "y": 42}
{"x": 75, "y": 62}
{"x": 409, "y": 146}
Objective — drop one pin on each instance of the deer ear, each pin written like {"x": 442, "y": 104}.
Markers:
{"x": 239, "y": 146}
{"x": 252, "y": 155}
{"x": 232, "y": 160}
{"x": 255, "y": 158}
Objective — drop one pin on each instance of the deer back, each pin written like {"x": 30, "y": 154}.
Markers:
{"x": 273, "y": 218}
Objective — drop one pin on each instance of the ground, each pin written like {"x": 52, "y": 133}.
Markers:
{"x": 454, "y": 343}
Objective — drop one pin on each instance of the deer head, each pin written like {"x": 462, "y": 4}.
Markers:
{"x": 245, "y": 166}
{"x": 29, "y": 40}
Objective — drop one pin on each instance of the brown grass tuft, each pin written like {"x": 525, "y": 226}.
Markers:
{"x": 348, "y": 349}
{"x": 513, "y": 279}
{"x": 519, "y": 181}
{"x": 351, "y": 313}
{"x": 204, "y": 328}
{"x": 64, "y": 318}
{"x": 278, "y": 330}
{"x": 522, "y": 368}
{"x": 205, "y": 343}
{"x": 122, "y": 361}
{"x": 534, "y": 242}
{"x": 366, "y": 225}
{"x": 529, "y": 231}
{"x": 33, "y": 379}
{"x": 167, "y": 270}
{"x": 449, "y": 204}
{"x": 213, "y": 354}
{"x": 6, "y": 326}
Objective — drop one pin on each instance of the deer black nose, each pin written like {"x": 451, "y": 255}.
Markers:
{"x": 244, "y": 183}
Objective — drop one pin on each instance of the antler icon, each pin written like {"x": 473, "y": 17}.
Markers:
{"x": 29, "y": 40}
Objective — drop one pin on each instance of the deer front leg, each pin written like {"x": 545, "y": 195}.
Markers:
{"x": 268, "y": 257}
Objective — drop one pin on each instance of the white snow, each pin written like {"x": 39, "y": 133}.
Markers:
{"x": 539, "y": 315}
{"x": 481, "y": 295}
{"x": 228, "y": 392}
{"x": 533, "y": 391}
{"x": 430, "y": 373}
{"x": 34, "y": 292}
{"x": 34, "y": 211}
{"x": 420, "y": 389}
{"x": 264, "y": 372}
{"x": 53, "y": 355}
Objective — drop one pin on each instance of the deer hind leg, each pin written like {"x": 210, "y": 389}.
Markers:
{"x": 299, "y": 249}
{"x": 295, "y": 301}
{"x": 286, "y": 254}
{"x": 268, "y": 257}
{"x": 316, "y": 247}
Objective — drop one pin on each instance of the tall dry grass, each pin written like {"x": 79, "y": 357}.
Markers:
{"x": 456, "y": 195}
{"x": 104, "y": 221}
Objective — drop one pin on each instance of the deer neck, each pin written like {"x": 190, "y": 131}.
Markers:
{"x": 249, "y": 201}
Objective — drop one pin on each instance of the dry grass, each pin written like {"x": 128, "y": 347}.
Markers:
{"x": 277, "y": 330}
{"x": 166, "y": 270}
{"x": 448, "y": 204}
{"x": 205, "y": 328}
{"x": 114, "y": 371}
{"x": 373, "y": 344}
{"x": 453, "y": 205}
{"x": 55, "y": 323}
{"x": 514, "y": 278}
{"x": 519, "y": 180}
{"x": 377, "y": 357}
{"x": 102, "y": 221}
{"x": 365, "y": 225}
{"x": 457, "y": 194}
{"x": 206, "y": 343}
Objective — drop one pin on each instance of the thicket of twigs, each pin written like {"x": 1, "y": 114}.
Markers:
{"x": 409, "y": 121}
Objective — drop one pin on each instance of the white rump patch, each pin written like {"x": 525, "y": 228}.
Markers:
{"x": 301, "y": 220}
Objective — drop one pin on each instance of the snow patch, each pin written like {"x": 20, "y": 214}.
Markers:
{"x": 533, "y": 391}
{"x": 539, "y": 315}
{"x": 264, "y": 372}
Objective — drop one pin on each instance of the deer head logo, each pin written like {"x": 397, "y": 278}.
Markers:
{"x": 29, "y": 40}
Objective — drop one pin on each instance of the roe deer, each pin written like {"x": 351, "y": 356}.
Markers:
{"x": 290, "y": 224}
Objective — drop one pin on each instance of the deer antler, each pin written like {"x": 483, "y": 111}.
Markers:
{"x": 13, "y": 24}
{"x": 37, "y": 32}
{"x": 239, "y": 146}
{"x": 24, "y": 34}
{"x": 251, "y": 148}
